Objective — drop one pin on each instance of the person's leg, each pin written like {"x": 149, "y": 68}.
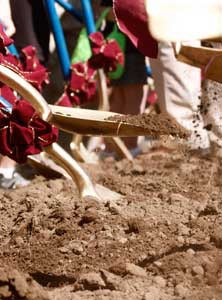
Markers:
{"x": 31, "y": 26}
{"x": 132, "y": 98}
{"x": 116, "y": 99}
{"x": 128, "y": 90}
{"x": 178, "y": 88}
{"x": 212, "y": 106}
{"x": 41, "y": 28}
{"x": 26, "y": 20}
{"x": 126, "y": 99}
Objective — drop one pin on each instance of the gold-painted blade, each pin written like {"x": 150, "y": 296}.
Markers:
{"x": 92, "y": 122}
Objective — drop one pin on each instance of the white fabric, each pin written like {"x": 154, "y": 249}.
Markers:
{"x": 178, "y": 88}
{"x": 5, "y": 17}
{"x": 7, "y": 172}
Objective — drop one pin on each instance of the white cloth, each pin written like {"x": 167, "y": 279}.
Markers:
{"x": 7, "y": 172}
{"x": 5, "y": 17}
{"x": 178, "y": 87}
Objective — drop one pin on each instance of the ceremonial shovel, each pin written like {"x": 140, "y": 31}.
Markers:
{"x": 81, "y": 121}
{"x": 78, "y": 120}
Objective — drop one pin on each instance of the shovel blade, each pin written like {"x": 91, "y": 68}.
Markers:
{"x": 92, "y": 122}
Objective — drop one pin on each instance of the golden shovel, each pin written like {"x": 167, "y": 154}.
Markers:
{"x": 81, "y": 121}
{"x": 73, "y": 120}
{"x": 20, "y": 85}
{"x": 208, "y": 59}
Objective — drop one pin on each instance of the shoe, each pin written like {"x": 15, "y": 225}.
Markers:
{"x": 135, "y": 151}
{"x": 102, "y": 155}
{"x": 105, "y": 154}
{"x": 201, "y": 153}
{"x": 17, "y": 180}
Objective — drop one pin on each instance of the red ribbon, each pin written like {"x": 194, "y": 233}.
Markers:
{"x": 106, "y": 53}
{"x": 22, "y": 131}
{"x": 82, "y": 86}
{"x": 27, "y": 67}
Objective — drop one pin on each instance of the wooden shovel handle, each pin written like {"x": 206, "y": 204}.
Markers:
{"x": 196, "y": 56}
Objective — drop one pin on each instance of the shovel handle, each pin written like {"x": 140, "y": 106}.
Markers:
{"x": 25, "y": 89}
{"x": 20, "y": 85}
{"x": 78, "y": 175}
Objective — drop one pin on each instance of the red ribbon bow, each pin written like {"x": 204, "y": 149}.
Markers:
{"x": 106, "y": 53}
{"x": 28, "y": 67}
{"x": 82, "y": 85}
{"x": 22, "y": 131}
{"x": 33, "y": 71}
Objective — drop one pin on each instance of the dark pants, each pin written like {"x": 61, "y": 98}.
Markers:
{"x": 32, "y": 27}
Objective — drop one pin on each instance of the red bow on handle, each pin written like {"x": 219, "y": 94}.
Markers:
{"x": 82, "y": 86}
{"x": 22, "y": 131}
{"x": 33, "y": 71}
{"x": 106, "y": 53}
{"x": 28, "y": 66}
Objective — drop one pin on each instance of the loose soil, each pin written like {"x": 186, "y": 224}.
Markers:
{"x": 161, "y": 241}
{"x": 156, "y": 124}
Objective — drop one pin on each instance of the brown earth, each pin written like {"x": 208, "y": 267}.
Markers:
{"x": 161, "y": 241}
{"x": 155, "y": 124}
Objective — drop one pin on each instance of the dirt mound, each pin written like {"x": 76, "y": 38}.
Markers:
{"x": 161, "y": 241}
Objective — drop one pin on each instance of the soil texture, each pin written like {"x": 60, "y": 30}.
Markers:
{"x": 161, "y": 241}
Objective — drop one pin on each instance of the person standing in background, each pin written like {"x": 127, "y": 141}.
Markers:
{"x": 178, "y": 85}
{"x": 6, "y": 17}
{"x": 127, "y": 92}
{"x": 26, "y": 22}
{"x": 32, "y": 27}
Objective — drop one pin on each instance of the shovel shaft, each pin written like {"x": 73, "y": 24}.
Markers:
{"x": 20, "y": 85}
{"x": 81, "y": 179}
